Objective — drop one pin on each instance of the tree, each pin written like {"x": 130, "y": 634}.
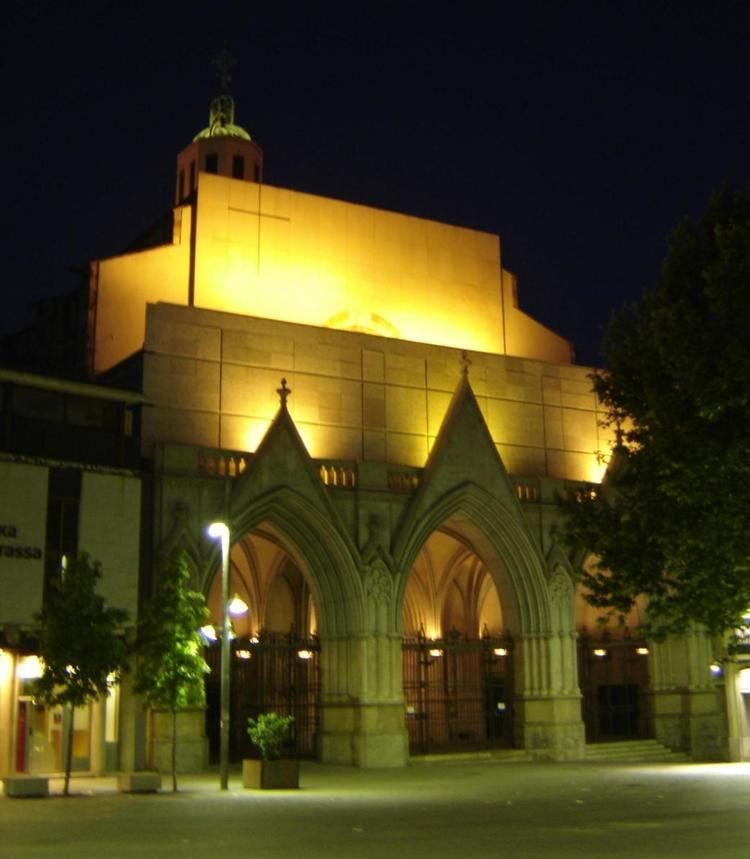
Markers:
{"x": 81, "y": 643}
{"x": 672, "y": 519}
{"x": 170, "y": 666}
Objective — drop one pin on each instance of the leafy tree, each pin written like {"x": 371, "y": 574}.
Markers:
{"x": 672, "y": 520}
{"x": 170, "y": 667}
{"x": 81, "y": 642}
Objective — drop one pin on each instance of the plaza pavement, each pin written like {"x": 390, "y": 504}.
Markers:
{"x": 451, "y": 808}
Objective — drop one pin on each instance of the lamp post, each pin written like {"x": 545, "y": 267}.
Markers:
{"x": 220, "y": 530}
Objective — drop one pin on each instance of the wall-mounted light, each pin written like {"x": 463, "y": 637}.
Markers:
{"x": 500, "y": 651}
{"x": 642, "y": 651}
{"x": 436, "y": 651}
{"x": 305, "y": 654}
{"x": 243, "y": 654}
{"x": 600, "y": 651}
{"x": 715, "y": 669}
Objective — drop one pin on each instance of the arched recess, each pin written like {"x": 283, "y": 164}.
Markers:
{"x": 499, "y": 539}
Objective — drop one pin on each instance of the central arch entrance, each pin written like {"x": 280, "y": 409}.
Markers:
{"x": 275, "y": 649}
{"x": 457, "y": 658}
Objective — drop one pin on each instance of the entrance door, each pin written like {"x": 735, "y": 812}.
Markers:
{"x": 457, "y": 693}
{"x": 615, "y": 685}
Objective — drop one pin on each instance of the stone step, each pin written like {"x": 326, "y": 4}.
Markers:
{"x": 499, "y": 755}
{"x": 633, "y": 750}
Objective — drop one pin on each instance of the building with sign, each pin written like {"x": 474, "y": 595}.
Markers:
{"x": 71, "y": 482}
{"x": 358, "y": 395}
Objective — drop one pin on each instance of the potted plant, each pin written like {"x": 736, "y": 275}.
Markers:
{"x": 269, "y": 732}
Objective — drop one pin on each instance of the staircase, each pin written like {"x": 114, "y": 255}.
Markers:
{"x": 642, "y": 751}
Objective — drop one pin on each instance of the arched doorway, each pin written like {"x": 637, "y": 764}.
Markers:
{"x": 457, "y": 656}
{"x": 275, "y": 650}
{"x": 613, "y": 673}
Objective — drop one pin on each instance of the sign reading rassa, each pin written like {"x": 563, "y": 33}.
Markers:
{"x": 14, "y": 551}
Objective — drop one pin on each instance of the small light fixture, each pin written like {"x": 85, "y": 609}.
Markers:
{"x": 243, "y": 654}
{"x": 715, "y": 669}
{"x": 209, "y": 632}
{"x": 237, "y": 605}
{"x": 254, "y": 639}
{"x": 642, "y": 651}
{"x": 305, "y": 654}
{"x": 436, "y": 651}
{"x": 500, "y": 651}
{"x": 600, "y": 651}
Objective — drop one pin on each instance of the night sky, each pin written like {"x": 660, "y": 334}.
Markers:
{"x": 580, "y": 132}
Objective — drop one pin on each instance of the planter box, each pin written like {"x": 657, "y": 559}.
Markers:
{"x": 26, "y": 785}
{"x": 270, "y": 775}
{"x": 139, "y": 782}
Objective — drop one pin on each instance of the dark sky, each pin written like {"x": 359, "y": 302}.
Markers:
{"x": 579, "y": 131}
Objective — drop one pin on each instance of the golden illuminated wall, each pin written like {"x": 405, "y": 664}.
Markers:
{"x": 279, "y": 254}
{"x": 212, "y": 380}
{"x": 123, "y": 285}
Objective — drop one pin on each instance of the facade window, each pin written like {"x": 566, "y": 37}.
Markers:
{"x": 238, "y": 167}
{"x": 181, "y": 186}
{"x": 212, "y": 162}
{"x": 257, "y": 173}
{"x": 192, "y": 176}
{"x": 63, "y": 505}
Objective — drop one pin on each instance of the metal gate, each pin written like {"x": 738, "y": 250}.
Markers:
{"x": 614, "y": 681}
{"x": 458, "y": 693}
{"x": 276, "y": 673}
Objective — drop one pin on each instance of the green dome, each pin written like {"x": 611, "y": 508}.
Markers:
{"x": 221, "y": 121}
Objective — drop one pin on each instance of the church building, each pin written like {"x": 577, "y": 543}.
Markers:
{"x": 358, "y": 395}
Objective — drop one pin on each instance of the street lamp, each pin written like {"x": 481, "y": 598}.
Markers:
{"x": 219, "y": 530}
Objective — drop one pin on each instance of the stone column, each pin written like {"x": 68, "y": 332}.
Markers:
{"x": 688, "y": 704}
{"x": 362, "y": 705}
{"x": 547, "y": 719}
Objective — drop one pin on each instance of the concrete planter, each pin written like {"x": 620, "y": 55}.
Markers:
{"x": 270, "y": 775}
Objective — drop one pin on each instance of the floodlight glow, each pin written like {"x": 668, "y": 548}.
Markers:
{"x": 29, "y": 668}
{"x": 209, "y": 632}
{"x": 237, "y": 605}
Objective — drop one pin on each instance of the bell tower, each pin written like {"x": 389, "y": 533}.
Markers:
{"x": 222, "y": 147}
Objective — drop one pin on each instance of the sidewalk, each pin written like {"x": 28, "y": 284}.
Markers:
{"x": 464, "y": 808}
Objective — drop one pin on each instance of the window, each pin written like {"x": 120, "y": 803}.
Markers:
{"x": 238, "y": 167}
{"x": 257, "y": 172}
{"x": 212, "y": 162}
{"x": 63, "y": 503}
{"x": 192, "y": 176}
{"x": 181, "y": 186}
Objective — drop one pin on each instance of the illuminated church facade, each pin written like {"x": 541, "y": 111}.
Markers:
{"x": 359, "y": 396}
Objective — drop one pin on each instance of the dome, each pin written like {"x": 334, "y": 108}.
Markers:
{"x": 221, "y": 120}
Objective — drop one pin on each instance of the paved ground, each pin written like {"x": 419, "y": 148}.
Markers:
{"x": 440, "y": 809}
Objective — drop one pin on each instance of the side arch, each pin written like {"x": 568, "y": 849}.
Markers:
{"x": 315, "y": 545}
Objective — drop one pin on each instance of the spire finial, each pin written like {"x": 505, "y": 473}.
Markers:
{"x": 283, "y": 393}
{"x": 465, "y": 364}
{"x": 224, "y": 63}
